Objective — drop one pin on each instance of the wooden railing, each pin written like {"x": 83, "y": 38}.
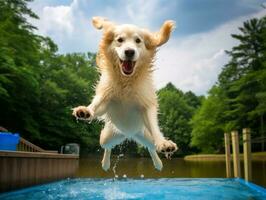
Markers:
{"x": 25, "y": 145}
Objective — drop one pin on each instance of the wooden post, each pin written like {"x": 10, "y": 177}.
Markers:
{"x": 247, "y": 153}
{"x": 227, "y": 154}
{"x": 235, "y": 143}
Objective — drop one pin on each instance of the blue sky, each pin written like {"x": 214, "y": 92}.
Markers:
{"x": 192, "y": 58}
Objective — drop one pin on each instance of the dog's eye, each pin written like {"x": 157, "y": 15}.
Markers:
{"x": 138, "y": 40}
{"x": 120, "y": 40}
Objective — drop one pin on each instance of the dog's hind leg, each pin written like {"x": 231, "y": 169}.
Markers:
{"x": 146, "y": 140}
{"x": 106, "y": 159}
{"x": 108, "y": 139}
{"x": 156, "y": 159}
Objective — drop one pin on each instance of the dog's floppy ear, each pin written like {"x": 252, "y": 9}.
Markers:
{"x": 101, "y": 23}
{"x": 149, "y": 39}
{"x": 163, "y": 35}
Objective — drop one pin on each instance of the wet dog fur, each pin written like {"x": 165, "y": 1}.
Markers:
{"x": 125, "y": 94}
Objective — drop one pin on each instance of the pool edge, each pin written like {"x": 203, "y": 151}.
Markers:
{"x": 252, "y": 185}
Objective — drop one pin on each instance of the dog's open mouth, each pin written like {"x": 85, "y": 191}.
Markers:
{"x": 127, "y": 66}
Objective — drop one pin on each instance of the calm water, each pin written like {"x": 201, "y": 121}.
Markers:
{"x": 175, "y": 168}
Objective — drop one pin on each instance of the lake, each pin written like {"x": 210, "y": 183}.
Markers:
{"x": 175, "y": 168}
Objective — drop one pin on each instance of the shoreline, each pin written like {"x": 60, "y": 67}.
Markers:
{"x": 257, "y": 156}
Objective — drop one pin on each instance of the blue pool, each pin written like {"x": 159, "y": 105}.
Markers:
{"x": 141, "y": 189}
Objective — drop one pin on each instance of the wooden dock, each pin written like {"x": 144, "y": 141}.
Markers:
{"x": 20, "y": 169}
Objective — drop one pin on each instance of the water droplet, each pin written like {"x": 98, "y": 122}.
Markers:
{"x": 117, "y": 160}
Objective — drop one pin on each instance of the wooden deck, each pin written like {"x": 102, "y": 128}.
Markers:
{"x": 20, "y": 169}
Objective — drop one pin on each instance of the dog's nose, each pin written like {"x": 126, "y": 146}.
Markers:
{"x": 129, "y": 53}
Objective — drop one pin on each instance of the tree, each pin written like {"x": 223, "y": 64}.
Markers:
{"x": 243, "y": 79}
{"x": 176, "y": 110}
{"x": 208, "y": 123}
{"x": 67, "y": 81}
{"x": 38, "y": 86}
{"x": 18, "y": 62}
{"x": 237, "y": 100}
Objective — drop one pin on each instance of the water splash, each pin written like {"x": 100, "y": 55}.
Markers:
{"x": 120, "y": 155}
{"x": 115, "y": 164}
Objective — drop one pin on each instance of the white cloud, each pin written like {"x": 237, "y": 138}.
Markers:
{"x": 194, "y": 62}
{"x": 141, "y": 12}
{"x": 70, "y": 25}
{"x": 59, "y": 17}
{"x": 67, "y": 25}
{"x": 191, "y": 63}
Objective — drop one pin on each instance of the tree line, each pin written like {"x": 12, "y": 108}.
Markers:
{"x": 238, "y": 99}
{"x": 39, "y": 86}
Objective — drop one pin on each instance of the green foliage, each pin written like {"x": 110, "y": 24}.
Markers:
{"x": 66, "y": 84}
{"x": 176, "y": 110}
{"x": 208, "y": 123}
{"x": 245, "y": 86}
{"x": 238, "y": 100}
{"x": 38, "y": 87}
{"x": 18, "y": 62}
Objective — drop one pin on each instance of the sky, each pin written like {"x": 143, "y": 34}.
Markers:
{"x": 193, "y": 57}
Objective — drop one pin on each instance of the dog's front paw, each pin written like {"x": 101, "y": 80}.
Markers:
{"x": 82, "y": 113}
{"x": 167, "y": 147}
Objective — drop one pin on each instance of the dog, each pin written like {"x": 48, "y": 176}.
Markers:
{"x": 125, "y": 96}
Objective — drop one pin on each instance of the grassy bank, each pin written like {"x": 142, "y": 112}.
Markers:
{"x": 259, "y": 156}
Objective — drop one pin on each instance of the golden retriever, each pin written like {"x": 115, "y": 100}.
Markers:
{"x": 125, "y": 94}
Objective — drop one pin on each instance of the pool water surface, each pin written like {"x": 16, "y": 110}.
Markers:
{"x": 172, "y": 188}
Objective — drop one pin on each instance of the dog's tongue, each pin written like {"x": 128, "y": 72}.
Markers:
{"x": 128, "y": 65}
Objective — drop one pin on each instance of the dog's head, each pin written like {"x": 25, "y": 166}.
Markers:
{"x": 129, "y": 47}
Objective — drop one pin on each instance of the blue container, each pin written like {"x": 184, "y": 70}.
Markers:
{"x": 8, "y": 141}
